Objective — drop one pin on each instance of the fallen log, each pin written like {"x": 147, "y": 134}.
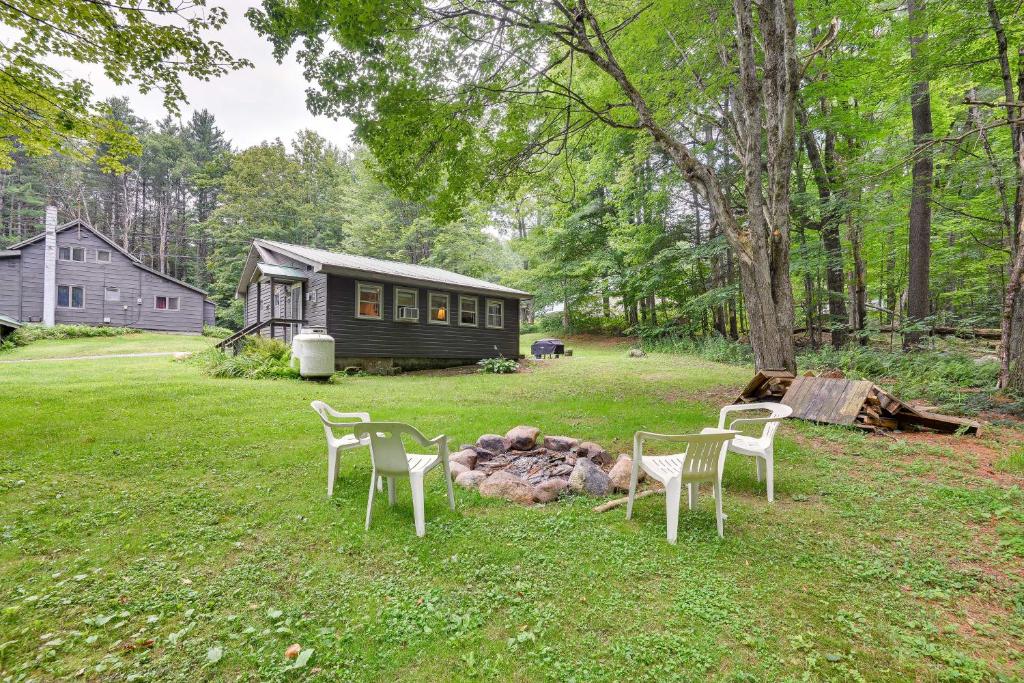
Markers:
{"x": 961, "y": 332}
{"x": 619, "y": 502}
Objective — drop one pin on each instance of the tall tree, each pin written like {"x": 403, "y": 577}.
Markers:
{"x": 919, "y": 247}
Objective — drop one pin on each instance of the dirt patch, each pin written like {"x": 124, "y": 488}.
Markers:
{"x": 985, "y": 451}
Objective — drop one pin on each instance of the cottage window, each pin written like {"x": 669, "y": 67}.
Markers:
{"x": 71, "y": 254}
{"x": 70, "y": 296}
{"x": 467, "y": 310}
{"x": 368, "y": 300}
{"x": 102, "y": 256}
{"x": 166, "y": 303}
{"x": 407, "y": 304}
{"x": 438, "y": 308}
{"x": 112, "y": 294}
{"x": 495, "y": 313}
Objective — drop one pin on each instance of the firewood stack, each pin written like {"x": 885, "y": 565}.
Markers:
{"x": 833, "y": 399}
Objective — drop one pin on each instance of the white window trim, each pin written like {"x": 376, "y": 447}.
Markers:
{"x": 107, "y": 290}
{"x": 380, "y": 300}
{"x": 168, "y": 297}
{"x": 487, "y": 314}
{"x": 71, "y": 298}
{"x": 447, "y": 309}
{"x": 476, "y": 309}
{"x": 416, "y": 298}
{"x": 104, "y": 251}
{"x": 71, "y": 255}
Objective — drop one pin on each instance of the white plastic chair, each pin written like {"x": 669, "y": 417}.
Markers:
{"x": 336, "y": 443}
{"x": 761, "y": 448}
{"x": 701, "y": 462}
{"x": 390, "y": 460}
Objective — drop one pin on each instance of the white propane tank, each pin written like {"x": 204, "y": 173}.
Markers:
{"x": 313, "y": 352}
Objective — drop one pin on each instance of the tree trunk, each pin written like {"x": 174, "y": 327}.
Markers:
{"x": 919, "y": 251}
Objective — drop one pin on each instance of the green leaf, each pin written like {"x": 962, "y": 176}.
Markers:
{"x": 302, "y": 659}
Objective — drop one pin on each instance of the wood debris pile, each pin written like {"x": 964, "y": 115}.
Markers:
{"x": 836, "y": 400}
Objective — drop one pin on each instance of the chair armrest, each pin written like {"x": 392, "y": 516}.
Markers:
{"x": 754, "y": 420}
{"x": 654, "y": 436}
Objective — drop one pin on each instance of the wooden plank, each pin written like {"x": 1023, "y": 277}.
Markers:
{"x": 824, "y": 399}
{"x": 940, "y": 423}
{"x": 759, "y": 380}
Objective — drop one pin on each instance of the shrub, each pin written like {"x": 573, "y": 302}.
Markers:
{"x": 258, "y": 358}
{"x": 216, "y": 332}
{"x": 35, "y": 332}
{"x": 498, "y": 366}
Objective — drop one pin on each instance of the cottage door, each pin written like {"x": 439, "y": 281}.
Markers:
{"x": 296, "y": 307}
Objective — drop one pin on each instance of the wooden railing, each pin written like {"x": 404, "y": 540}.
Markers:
{"x": 255, "y": 328}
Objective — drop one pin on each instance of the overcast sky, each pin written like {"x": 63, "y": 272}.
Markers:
{"x": 251, "y": 105}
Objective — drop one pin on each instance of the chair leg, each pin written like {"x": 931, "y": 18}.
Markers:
{"x": 760, "y": 468}
{"x": 769, "y": 467}
{"x": 416, "y": 483}
{"x": 369, "y": 504}
{"x": 380, "y": 484}
{"x": 632, "y": 495}
{"x": 672, "y": 492}
{"x": 692, "y": 491}
{"x": 451, "y": 492}
{"x": 332, "y": 470}
{"x": 391, "y": 491}
{"x": 719, "y": 517}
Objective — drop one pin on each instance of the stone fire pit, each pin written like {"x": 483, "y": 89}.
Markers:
{"x": 524, "y": 469}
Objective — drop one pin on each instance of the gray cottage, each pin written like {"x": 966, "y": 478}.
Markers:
{"x": 380, "y": 313}
{"x": 72, "y": 274}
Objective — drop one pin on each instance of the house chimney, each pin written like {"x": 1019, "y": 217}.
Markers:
{"x": 50, "y": 268}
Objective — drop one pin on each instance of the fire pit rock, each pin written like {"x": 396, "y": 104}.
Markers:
{"x": 524, "y": 469}
{"x": 522, "y": 438}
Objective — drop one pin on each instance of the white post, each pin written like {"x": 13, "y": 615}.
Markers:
{"x": 50, "y": 268}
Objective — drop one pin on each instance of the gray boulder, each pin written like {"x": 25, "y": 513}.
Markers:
{"x": 507, "y": 486}
{"x": 470, "y": 479}
{"x": 589, "y": 479}
{"x": 495, "y": 443}
{"x": 458, "y": 468}
{"x": 560, "y": 444}
{"x": 548, "y": 491}
{"x": 466, "y": 456}
{"x": 522, "y": 438}
{"x": 637, "y": 353}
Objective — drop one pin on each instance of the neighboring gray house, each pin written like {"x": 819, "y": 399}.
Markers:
{"x": 379, "y": 312}
{"x": 73, "y": 274}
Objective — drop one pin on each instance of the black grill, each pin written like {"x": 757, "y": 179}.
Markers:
{"x": 547, "y": 347}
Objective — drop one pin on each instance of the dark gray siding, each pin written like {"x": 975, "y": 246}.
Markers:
{"x": 10, "y": 287}
{"x": 32, "y": 282}
{"x": 137, "y": 287}
{"x": 388, "y": 338}
{"x": 209, "y": 313}
{"x": 316, "y": 300}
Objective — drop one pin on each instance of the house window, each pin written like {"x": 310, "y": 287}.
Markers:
{"x": 71, "y": 254}
{"x": 102, "y": 256}
{"x": 467, "y": 310}
{"x": 368, "y": 300}
{"x": 166, "y": 303}
{"x": 112, "y": 294}
{"x": 438, "y": 308}
{"x": 70, "y": 296}
{"x": 495, "y": 313}
{"x": 407, "y": 304}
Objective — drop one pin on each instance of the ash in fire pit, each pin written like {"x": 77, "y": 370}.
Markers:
{"x": 520, "y": 468}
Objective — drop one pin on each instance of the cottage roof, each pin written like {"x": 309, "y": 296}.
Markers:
{"x": 364, "y": 266}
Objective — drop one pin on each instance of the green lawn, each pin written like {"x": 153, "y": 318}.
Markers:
{"x": 156, "y": 524}
{"x": 143, "y": 342}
